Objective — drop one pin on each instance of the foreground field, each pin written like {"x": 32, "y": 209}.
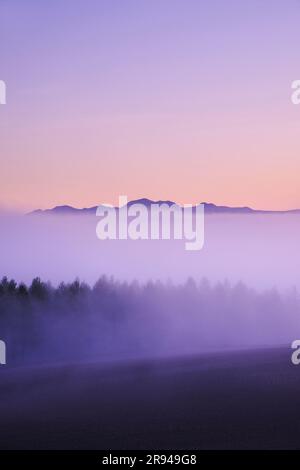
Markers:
{"x": 226, "y": 401}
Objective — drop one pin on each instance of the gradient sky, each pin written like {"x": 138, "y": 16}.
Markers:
{"x": 186, "y": 100}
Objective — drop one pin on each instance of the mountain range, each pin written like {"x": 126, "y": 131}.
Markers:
{"x": 209, "y": 208}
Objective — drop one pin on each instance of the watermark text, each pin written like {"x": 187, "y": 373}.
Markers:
{"x": 152, "y": 220}
{"x": 295, "y": 97}
{"x": 2, "y": 92}
{"x": 2, "y": 353}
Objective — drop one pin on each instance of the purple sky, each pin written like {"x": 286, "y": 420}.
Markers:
{"x": 186, "y": 100}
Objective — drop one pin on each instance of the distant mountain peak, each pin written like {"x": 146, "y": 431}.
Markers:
{"x": 209, "y": 208}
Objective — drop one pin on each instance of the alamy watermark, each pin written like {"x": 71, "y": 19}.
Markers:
{"x": 2, "y": 353}
{"x": 295, "y": 358}
{"x": 2, "y": 92}
{"x": 295, "y": 97}
{"x": 152, "y": 220}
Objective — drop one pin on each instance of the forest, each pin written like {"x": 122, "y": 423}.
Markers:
{"x": 113, "y": 320}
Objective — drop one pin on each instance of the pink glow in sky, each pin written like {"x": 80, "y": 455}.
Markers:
{"x": 181, "y": 99}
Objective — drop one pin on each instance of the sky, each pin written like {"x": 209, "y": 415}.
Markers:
{"x": 187, "y": 100}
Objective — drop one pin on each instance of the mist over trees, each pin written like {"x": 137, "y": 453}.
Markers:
{"x": 115, "y": 320}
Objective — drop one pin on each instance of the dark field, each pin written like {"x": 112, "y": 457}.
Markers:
{"x": 221, "y": 401}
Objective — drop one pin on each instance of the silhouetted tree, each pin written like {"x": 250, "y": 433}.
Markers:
{"x": 38, "y": 289}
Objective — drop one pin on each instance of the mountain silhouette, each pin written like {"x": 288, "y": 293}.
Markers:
{"x": 210, "y": 208}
